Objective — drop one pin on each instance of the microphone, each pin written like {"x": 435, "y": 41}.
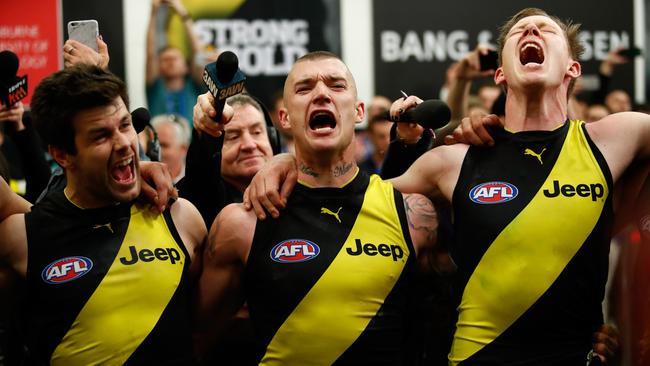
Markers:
{"x": 12, "y": 88}
{"x": 140, "y": 118}
{"x": 223, "y": 79}
{"x": 432, "y": 113}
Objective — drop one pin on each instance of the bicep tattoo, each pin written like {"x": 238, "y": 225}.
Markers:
{"x": 421, "y": 215}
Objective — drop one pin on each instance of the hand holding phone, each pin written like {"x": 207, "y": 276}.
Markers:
{"x": 630, "y": 53}
{"x": 84, "y": 31}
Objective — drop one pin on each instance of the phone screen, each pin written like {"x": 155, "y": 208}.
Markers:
{"x": 490, "y": 61}
{"x": 84, "y": 31}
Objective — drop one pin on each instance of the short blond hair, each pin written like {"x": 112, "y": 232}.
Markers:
{"x": 571, "y": 31}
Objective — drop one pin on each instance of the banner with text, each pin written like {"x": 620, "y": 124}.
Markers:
{"x": 266, "y": 35}
{"x": 33, "y": 36}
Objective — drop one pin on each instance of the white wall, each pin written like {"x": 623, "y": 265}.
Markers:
{"x": 639, "y": 62}
{"x": 136, "y": 19}
{"x": 357, "y": 46}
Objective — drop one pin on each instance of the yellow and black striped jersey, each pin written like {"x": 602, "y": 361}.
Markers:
{"x": 532, "y": 222}
{"x": 327, "y": 282}
{"x": 106, "y": 286}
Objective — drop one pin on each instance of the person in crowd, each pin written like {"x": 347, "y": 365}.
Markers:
{"x": 487, "y": 94}
{"x": 172, "y": 82}
{"x": 92, "y": 253}
{"x": 618, "y": 101}
{"x": 27, "y": 170}
{"x": 219, "y": 168}
{"x": 379, "y": 137}
{"x": 277, "y": 103}
{"x": 362, "y": 139}
{"x": 174, "y": 136}
{"x": 596, "y": 112}
{"x": 582, "y": 101}
{"x": 378, "y": 104}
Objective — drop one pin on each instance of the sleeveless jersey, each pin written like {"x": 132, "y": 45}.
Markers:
{"x": 533, "y": 218}
{"x": 326, "y": 283}
{"x": 106, "y": 286}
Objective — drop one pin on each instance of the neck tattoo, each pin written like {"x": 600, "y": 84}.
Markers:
{"x": 341, "y": 169}
{"x": 307, "y": 170}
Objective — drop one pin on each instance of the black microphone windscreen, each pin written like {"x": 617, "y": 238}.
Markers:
{"x": 431, "y": 113}
{"x": 8, "y": 67}
{"x": 140, "y": 118}
{"x": 227, "y": 65}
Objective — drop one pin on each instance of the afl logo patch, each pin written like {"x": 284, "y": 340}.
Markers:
{"x": 66, "y": 269}
{"x": 294, "y": 250}
{"x": 493, "y": 192}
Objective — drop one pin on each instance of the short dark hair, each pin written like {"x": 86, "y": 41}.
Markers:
{"x": 60, "y": 96}
{"x": 317, "y": 55}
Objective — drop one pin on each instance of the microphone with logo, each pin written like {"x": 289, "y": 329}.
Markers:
{"x": 223, "y": 79}
{"x": 432, "y": 113}
{"x": 12, "y": 87}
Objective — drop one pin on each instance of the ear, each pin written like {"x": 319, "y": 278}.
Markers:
{"x": 361, "y": 111}
{"x": 575, "y": 70}
{"x": 283, "y": 114}
{"x": 500, "y": 77}
{"x": 64, "y": 159}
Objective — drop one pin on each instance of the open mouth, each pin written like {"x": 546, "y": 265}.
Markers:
{"x": 322, "y": 119}
{"x": 124, "y": 171}
{"x": 531, "y": 53}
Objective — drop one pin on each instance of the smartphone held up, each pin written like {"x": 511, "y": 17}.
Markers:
{"x": 84, "y": 31}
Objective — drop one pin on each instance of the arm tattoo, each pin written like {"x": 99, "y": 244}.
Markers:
{"x": 421, "y": 215}
{"x": 307, "y": 170}
{"x": 340, "y": 170}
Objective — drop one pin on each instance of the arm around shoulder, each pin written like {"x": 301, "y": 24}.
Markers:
{"x": 433, "y": 173}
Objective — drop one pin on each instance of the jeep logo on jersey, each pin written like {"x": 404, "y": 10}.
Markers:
{"x": 66, "y": 269}
{"x": 583, "y": 190}
{"x": 372, "y": 250}
{"x": 146, "y": 255}
{"x": 493, "y": 192}
{"x": 294, "y": 250}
